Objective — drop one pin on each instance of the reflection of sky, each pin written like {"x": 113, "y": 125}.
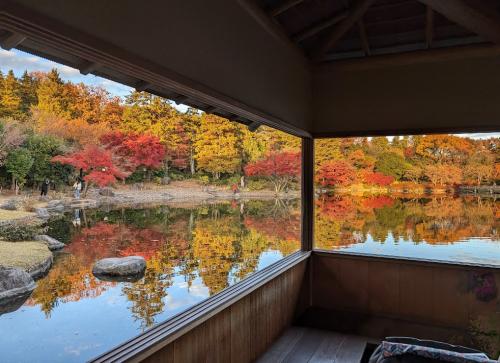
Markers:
{"x": 472, "y": 250}
{"x": 79, "y": 330}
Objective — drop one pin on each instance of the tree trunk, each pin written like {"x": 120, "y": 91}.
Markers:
{"x": 13, "y": 183}
{"x": 191, "y": 162}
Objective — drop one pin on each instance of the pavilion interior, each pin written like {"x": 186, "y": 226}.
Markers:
{"x": 313, "y": 68}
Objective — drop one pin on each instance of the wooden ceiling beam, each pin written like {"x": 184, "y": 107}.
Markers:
{"x": 88, "y": 67}
{"x": 12, "y": 41}
{"x": 487, "y": 25}
{"x": 429, "y": 26}
{"x": 355, "y": 14}
{"x": 412, "y": 57}
{"x": 309, "y": 32}
{"x": 284, "y": 7}
{"x": 142, "y": 86}
{"x": 364, "y": 38}
{"x": 271, "y": 26}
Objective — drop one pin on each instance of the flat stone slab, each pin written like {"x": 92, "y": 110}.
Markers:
{"x": 120, "y": 268}
{"x": 34, "y": 257}
{"x": 16, "y": 285}
{"x": 51, "y": 243}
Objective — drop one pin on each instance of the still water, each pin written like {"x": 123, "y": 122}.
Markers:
{"x": 458, "y": 229}
{"x": 195, "y": 251}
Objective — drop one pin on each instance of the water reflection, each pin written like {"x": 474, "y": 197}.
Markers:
{"x": 191, "y": 253}
{"x": 446, "y": 228}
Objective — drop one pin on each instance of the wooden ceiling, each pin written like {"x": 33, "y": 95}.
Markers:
{"x": 331, "y": 30}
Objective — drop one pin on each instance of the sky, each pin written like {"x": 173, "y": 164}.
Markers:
{"x": 20, "y": 61}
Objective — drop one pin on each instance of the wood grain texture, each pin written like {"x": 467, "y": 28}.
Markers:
{"x": 389, "y": 296}
{"x": 300, "y": 344}
{"x": 243, "y": 331}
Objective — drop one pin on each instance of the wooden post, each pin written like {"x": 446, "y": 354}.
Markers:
{"x": 307, "y": 181}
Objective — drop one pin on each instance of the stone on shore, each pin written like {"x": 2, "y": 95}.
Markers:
{"x": 51, "y": 243}
{"x": 42, "y": 213}
{"x": 106, "y": 192}
{"x": 11, "y": 204}
{"x": 55, "y": 205}
{"x": 120, "y": 268}
{"x": 32, "y": 256}
{"x": 16, "y": 285}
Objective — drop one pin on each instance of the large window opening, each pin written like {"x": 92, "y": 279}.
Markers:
{"x": 112, "y": 172}
{"x": 427, "y": 197}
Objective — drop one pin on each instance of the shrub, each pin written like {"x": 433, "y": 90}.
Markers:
{"x": 20, "y": 232}
{"x": 257, "y": 184}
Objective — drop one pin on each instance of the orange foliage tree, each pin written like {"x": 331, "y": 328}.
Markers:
{"x": 335, "y": 173}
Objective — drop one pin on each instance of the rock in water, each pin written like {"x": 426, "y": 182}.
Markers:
{"x": 120, "y": 268}
{"x": 51, "y": 243}
{"x": 16, "y": 285}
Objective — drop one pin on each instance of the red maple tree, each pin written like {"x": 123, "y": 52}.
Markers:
{"x": 135, "y": 150}
{"x": 376, "y": 178}
{"x": 280, "y": 168}
{"x": 335, "y": 173}
{"x": 96, "y": 162}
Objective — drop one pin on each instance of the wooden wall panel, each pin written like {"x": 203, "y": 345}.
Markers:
{"x": 386, "y": 296}
{"x": 244, "y": 330}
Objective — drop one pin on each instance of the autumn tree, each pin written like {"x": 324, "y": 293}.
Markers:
{"x": 390, "y": 163}
{"x": 444, "y": 148}
{"x": 217, "y": 146}
{"x": 12, "y": 135}
{"x": 133, "y": 150}
{"x": 280, "y": 168}
{"x": 376, "y": 178}
{"x": 97, "y": 163}
{"x": 478, "y": 173}
{"x": 326, "y": 150}
{"x": 443, "y": 174}
{"x": 335, "y": 173}
{"x": 178, "y": 148}
{"x": 191, "y": 126}
{"x": 10, "y": 96}
{"x": 144, "y": 113}
{"x": 53, "y": 95}
{"x": 413, "y": 173}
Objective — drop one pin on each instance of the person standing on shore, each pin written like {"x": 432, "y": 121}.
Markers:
{"x": 77, "y": 188}
{"x": 45, "y": 188}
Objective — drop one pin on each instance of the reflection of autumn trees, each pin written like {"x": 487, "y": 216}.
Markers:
{"x": 234, "y": 242}
{"x": 214, "y": 247}
{"x": 342, "y": 221}
{"x": 70, "y": 279}
{"x": 147, "y": 294}
{"x": 219, "y": 243}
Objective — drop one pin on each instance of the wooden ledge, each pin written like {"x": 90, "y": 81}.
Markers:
{"x": 401, "y": 259}
{"x": 147, "y": 343}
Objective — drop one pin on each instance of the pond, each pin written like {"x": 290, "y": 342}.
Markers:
{"x": 191, "y": 253}
{"x": 195, "y": 251}
{"x": 459, "y": 229}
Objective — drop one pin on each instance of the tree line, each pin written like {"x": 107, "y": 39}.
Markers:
{"x": 53, "y": 129}
{"x": 437, "y": 161}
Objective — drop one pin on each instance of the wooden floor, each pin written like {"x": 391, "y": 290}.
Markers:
{"x": 299, "y": 344}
